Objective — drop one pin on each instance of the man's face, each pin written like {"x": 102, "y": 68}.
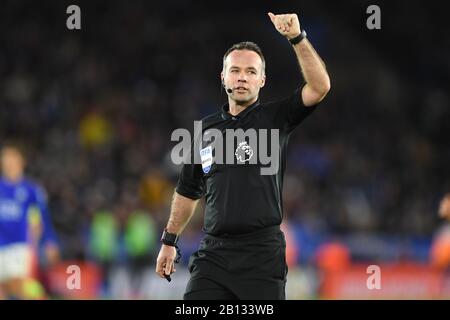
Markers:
{"x": 12, "y": 163}
{"x": 243, "y": 73}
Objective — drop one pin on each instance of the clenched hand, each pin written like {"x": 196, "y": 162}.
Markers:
{"x": 286, "y": 24}
{"x": 165, "y": 261}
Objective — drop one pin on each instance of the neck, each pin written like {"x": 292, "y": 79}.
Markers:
{"x": 236, "y": 107}
{"x": 13, "y": 177}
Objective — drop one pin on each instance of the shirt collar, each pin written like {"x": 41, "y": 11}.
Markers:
{"x": 226, "y": 108}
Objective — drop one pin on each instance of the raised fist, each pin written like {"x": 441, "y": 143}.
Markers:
{"x": 286, "y": 24}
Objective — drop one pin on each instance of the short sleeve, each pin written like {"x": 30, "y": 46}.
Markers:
{"x": 287, "y": 114}
{"x": 191, "y": 182}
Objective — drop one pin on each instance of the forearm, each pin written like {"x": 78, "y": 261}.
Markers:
{"x": 312, "y": 67}
{"x": 182, "y": 210}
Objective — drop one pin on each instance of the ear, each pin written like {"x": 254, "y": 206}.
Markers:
{"x": 222, "y": 78}
{"x": 263, "y": 80}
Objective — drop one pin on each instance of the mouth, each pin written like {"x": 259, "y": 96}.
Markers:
{"x": 241, "y": 89}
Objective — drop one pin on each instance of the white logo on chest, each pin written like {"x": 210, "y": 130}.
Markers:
{"x": 243, "y": 152}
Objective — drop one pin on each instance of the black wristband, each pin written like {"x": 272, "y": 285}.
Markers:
{"x": 298, "y": 38}
{"x": 169, "y": 239}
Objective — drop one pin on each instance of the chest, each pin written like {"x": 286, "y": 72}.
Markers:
{"x": 13, "y": 201}
{"x": 250, "y": 142}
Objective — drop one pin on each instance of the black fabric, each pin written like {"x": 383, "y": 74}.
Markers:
{"x": 239, "y": 199}
{"x": 206, "y": 289}
{"x": 249, "y": 266}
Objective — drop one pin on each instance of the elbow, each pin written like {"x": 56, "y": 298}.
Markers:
{"x": 328, "y": 85}
{"x": 325, "y": 87}
{"x": 322, "y": 90}
{"x": 312, "y": 95}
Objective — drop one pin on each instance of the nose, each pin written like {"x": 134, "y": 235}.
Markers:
{"x": 242, "y": 77}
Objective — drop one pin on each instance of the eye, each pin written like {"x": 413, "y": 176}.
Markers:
{"x": 233, "y": 70}
{"x": 252, "y": 71}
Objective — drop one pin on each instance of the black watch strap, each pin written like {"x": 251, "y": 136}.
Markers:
{"x": 169, "y": 239}
{"x": 298, "y": 38}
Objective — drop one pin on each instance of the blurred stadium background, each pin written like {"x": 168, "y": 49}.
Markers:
{"x": 96, "y": 108}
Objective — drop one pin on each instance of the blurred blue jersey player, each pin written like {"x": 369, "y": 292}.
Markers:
{"x": 20, "y": 198}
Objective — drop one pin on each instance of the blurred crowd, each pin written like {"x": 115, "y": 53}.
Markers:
{"x": 97, "y": 106}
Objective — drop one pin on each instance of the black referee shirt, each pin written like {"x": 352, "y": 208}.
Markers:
{"x": 239, "y": 199}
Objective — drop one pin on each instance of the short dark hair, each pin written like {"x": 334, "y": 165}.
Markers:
{"x": 246, "y": 45}
{"x": 17, "y": 145}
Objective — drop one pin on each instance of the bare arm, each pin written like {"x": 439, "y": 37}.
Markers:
{"x": 312, "y": 66}
{"x": 314, "y": 72}
{"x": 181, "y": 212}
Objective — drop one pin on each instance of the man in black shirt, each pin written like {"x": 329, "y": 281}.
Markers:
{"x": 242, "y": 255}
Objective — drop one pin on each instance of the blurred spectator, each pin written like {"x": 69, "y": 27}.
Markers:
{"x": 440, "y": 250}
{"x": 95, "y": 130}
{"x": 104, "y": 235}
{"x": 25, "y": 226}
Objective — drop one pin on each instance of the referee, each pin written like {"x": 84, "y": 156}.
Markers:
{"x": 242, "y": 255}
